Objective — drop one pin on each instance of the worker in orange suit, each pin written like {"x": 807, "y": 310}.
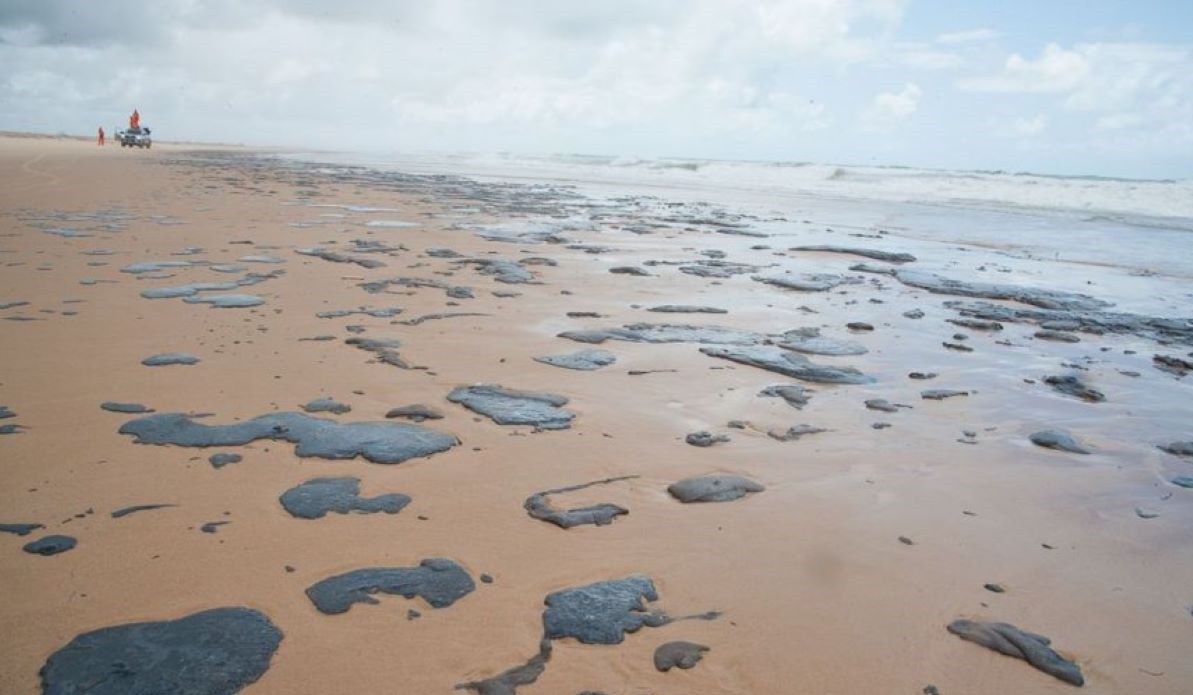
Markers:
{"x": 134, "y": 121}
{"x": 101, "y": 136}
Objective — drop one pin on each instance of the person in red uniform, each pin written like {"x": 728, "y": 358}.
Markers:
{"x": 134, "y": 121}
{"x": 101, "y": 136}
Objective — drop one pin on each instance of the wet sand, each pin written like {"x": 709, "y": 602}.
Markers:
{"x": 817, "y": 593}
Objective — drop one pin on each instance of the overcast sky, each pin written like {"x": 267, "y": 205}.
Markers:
{"x": 1060, "y": 86}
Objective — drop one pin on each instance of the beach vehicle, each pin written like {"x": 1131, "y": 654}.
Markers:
{"x": 135, "y": 137}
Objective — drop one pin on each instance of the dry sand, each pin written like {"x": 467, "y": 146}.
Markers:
{"x": 818, "y": 594}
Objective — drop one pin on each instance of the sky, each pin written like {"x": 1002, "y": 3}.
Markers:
{"x": 1090, "y": 87}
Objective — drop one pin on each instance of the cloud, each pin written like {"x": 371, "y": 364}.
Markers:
{"x": 771, "y": 112}
{"x": 1124, "y": 75}
{"x": 968, "y": 36}
{"x": 97, "y": 24}
{"x": 889, "y": 108}
{"x": 517, "y": 74}
{"x": 1120, "y": 121}
{"x": 921, "y": 56}
{"x": 1146, "y": 89}
{"x": 1056, "y": 70}
{"x": 1028, "y": 127}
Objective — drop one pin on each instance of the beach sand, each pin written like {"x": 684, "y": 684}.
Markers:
{"x": 817, "y": 593}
